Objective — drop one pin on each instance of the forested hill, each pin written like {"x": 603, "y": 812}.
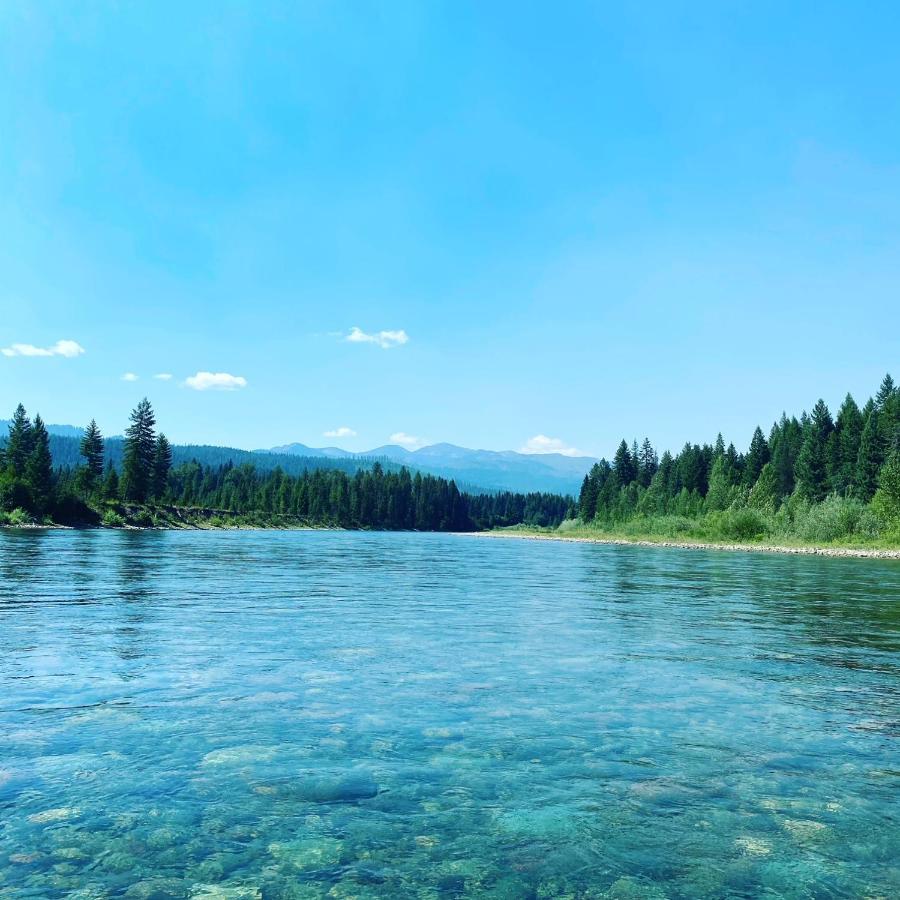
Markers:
{"x": 817, "y": 477}
{"x": 65, "y": 442}
{"x": 139, "y": 479}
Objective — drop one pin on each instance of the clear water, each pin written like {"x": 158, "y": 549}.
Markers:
{"x": 292, "y": 715}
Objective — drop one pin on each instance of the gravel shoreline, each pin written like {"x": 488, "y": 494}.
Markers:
{"x": 699, "y": 545}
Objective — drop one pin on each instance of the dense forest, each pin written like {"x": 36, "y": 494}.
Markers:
{"x": 815, "y": 478}
{"x": 140, "y": 481}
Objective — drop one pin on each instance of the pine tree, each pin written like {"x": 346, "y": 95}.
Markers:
{"x": 647, "y": 463}
{"x": 871, "y": 456}
{"x": 92, "y": 450}
{"x": 19, "y": 443}
{"x": 624, "y": 465}
{"x": 139, "y": 455}
{"x": 39, "y": 467}
{"x": 719, "y": 495}
{"x": 812, "y": 463}
{"x": 111, "y": 483}
{"x": 848, "y": 431}
{"x": 162, "y": 465}
{"x": 885, "y": 391}
{"x": 764, "y": 494}
{"x": 887, "y": 498}
{"x": 756, "y": 458}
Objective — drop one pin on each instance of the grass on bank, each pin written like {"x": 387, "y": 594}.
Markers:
{"x": 114, "y": 514}
{"x": 837, "y": 522}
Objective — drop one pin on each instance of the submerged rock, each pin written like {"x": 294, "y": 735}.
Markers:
{"x": 317, "y": 788}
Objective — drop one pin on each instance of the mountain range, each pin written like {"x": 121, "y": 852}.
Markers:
{"x": 492, "y": 469}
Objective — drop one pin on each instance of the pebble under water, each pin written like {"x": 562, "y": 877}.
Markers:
{"x": 336, "y": 714}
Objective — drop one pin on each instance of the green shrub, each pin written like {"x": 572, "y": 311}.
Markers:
{"x": 112, "y": 519}
{"x": 832, "y": 519}
{"x": 18, "y": 516}
{"x": 743, "y": 524}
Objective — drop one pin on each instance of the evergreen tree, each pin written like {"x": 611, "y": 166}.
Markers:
{"x": 162, "y": 465}
{"x": 812, "y": 463}
{"x": 848, "y": 433}
{"x": 624, "y": 465}
{"x": 764, "y": 494}
{"x": 871, "y": 456}
{"x": 111, "y": 483}
{"x": 647, "y": 463}
{"x": 140, "y": 453}
{"x": 719, "y": 495}
{"x": 756, "y": 458}
{"x": 91, "y": 449}
{"x": 19, "y": 443}
{"x": 887, "y": 498}
{"x": 885, "y": 392}
{"x": 39, "y": 467}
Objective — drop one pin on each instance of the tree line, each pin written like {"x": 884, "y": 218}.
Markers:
{"x": 367, "y": 498}
{"x": 854, "y": 455}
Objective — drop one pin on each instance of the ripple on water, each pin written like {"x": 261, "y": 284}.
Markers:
{"x": 295, "y": 715}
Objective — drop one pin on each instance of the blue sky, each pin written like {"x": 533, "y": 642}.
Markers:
{"x": 574, "y": 220}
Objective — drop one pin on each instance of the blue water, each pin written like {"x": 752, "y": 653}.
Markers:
{"x": 315, "y": 714}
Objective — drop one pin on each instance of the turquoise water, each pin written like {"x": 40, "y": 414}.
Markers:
{"x": 314, "y": 714}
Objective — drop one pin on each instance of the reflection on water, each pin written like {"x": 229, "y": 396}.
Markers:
{"x": 288, "y": 714}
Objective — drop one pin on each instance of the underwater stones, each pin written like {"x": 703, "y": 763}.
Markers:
{"x": 157, "y": 889}
{"x": 308, "y": 854}
{"x": 547, "y": 823}
{"x": 60, "y": 814}
{"x": 241, "y": 755}
{"x": 163, "y": 837}
{"x": 753, "y": 846}
{"x": 347, "y": 787}
{"x": 627, "y": 888}
{"x": 225, "y": 892}
{"x": 70, "y": 853}
{"x": 805, "y": 830}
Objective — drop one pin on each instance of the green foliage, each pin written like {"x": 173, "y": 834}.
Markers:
{"x": 741, "y": 524}
{"x": 162, "y": 465}
{"x": 809, "y": 481}
{"x": 140, "y": 454}
{"x": 39, "y": 468}
{"x": 18, "y": 516}
{"x": 886, "y": 502}
{"x": 91, "y": 449}
{"x": 764, "y": 494}
{"x": 112, "y": 519}
{"x": 836, "y": 518}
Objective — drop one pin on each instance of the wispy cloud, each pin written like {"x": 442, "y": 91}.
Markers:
{"x": 163, "y": 376}
{"x": 410, "y": 441}
{"x": 384, "y": 339}
{"x": 342, "y": 432}
{"x": 69, "y": 349}
{"x": 215, "y": 381}
{"x": 129, "y": 376}
{"x": 540, "y": 443}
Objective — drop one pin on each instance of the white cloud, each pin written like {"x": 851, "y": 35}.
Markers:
{"x": 68, "y": 349}
{"x": 163, "y": 376}
{"x": 341, "y": 432}
{"x": 384, "y": 339}
{"x": 410, "y": 441}
{"x": 215, "y": 381}
{"x": 540, "y": 443}
{"x": 129, "y": 376}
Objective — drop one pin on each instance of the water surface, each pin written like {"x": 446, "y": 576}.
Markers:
{"x": 314, "y": 714}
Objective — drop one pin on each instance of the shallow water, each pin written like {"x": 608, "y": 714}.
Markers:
{"x": 315, "y": 714}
